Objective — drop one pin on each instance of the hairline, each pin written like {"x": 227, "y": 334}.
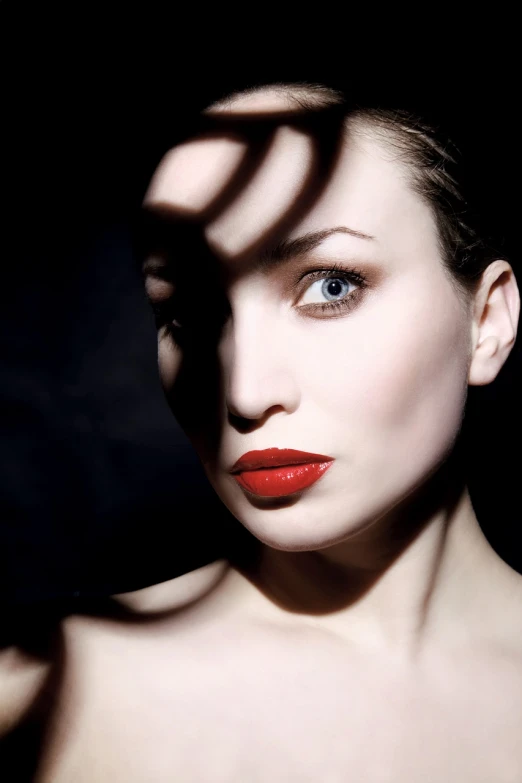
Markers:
{"x": 360, "y": 122}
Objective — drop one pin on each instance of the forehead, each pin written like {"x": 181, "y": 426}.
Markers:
{"x": 242, "y": 194}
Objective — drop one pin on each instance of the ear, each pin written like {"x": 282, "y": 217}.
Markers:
{"x": 495, "y": 321}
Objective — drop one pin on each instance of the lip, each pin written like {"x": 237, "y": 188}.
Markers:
{"x": 279, "y": 472}
{"x": 276, "y": 457}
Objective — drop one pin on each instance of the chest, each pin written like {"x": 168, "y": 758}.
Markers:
{"x": 243, "y": 721}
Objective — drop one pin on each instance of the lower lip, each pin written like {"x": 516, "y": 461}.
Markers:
{"x": 285, "y": 480}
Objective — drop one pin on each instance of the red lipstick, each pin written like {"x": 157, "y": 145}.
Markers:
{"x": 279, "y": 472}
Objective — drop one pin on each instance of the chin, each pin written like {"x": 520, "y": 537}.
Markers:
{"x": 338, "y": 510}
{"x": 285, "y": 525}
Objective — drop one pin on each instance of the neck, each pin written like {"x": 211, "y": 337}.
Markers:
{"x": 413, "y": 579}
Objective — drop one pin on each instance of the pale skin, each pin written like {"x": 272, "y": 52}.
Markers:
{"x": 379, "y": 636}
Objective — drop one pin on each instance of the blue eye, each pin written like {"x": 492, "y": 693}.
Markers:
{"x": 182, "y": 322}
{"x": 333, "y": 283}
{"x": 329, "y": 287}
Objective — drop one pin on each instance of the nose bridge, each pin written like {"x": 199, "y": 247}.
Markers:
{"x": 258, "y": 370}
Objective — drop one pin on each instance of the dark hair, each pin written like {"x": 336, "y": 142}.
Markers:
{"x": 436, "y": 167}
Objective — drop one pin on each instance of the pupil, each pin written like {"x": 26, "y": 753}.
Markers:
{"x": 336, "y": 285}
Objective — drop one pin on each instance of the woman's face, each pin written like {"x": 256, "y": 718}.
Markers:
{"x": 377, "y": 382}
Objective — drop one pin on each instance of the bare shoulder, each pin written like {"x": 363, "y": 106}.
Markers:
{"x": 25, "y": 674}
{"x": 178, "y": 669}
{"x": 176, "y": 593}
{"x": 128, "y": 672}
{"x": 144, "y": 624}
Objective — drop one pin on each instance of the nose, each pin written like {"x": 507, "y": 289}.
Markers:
{"x": 258, "y": 365}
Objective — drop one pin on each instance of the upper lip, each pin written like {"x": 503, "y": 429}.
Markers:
{"x": 270, "y": 458}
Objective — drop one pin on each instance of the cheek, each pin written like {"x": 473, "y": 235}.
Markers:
{"x": 396, "y": 373}
{"x": 191, "y": 385}
{"x": 182, "y": 401}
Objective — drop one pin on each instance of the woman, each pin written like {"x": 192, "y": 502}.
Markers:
{"x": 323, "y": 305}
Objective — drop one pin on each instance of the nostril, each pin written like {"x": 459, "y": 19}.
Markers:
{"x": 246, "y": 424}
{"x": 242, "y": 424}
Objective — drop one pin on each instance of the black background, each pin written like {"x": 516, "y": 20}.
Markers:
{"x": 100, "y": 490}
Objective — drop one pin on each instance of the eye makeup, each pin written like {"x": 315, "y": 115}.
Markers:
{"x": 336, "y": 271}
{"x": 177, "y": 317}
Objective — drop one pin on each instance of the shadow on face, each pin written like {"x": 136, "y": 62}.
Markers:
{"x": 264, "y": 197}
{"x": 225, "y": 172}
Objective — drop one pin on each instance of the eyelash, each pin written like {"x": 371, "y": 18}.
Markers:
{"x": 334, "y": 272}
{"x": 163, "y": 310}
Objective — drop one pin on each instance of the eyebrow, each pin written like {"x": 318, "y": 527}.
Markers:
{"x": 289, "y": 248}
{"x": 283, "y": 251}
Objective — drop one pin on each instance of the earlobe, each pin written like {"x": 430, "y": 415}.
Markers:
{"x": 485, "y": 364}
{"x": 497, "y": 308}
